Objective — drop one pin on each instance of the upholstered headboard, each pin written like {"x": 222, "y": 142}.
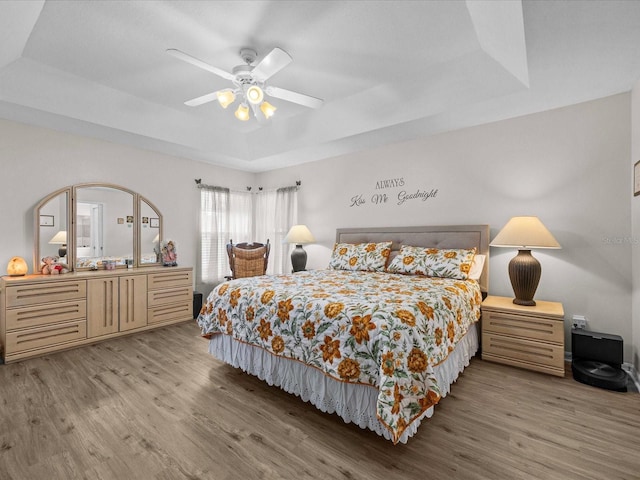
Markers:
{"x": 446, "y": 236}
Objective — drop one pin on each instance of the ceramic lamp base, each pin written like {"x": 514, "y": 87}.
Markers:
{"x": 298, "y": 259}
{"x": 524, "y": 273}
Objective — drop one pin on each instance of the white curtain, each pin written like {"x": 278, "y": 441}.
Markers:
{"x": 240, "y": 219}
{"x": 265, "y": 206}
{"x": 214, "y": 233}
{"x": 275, "y": 213}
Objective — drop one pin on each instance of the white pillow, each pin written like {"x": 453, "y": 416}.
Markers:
{"x": 477, "y": 266}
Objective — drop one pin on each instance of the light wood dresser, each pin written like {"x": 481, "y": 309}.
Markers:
{"x": 45, "y": 313}
{"x": 527, "y": 337}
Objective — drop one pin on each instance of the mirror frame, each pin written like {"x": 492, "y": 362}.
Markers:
{"x": 71, "y": 208}
{"x": 139, "y": 230}
{"x": 37, "y": 262}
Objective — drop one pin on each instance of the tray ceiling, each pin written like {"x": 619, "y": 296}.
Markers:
{"x": 388, "y": 71}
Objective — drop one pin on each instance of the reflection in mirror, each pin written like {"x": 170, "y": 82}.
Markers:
{"x": 104, "y": 226}
{"x": 150, "y": 233}
{"x": 52, "y": 228}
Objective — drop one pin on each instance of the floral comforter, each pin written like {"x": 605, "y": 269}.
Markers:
{"x": 379, "y": 329}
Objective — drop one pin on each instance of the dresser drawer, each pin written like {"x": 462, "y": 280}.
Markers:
{"x": 169, "y": 279}
{"x": 40, "y": 337}
{"x": 521, "y": 349}
{"x": 169, "y": 296}
{"x": 37, "y": 315}
{"x": 172, "y": 312}
{"x": 33, "y": 294}
{"x": 533, "y": 327}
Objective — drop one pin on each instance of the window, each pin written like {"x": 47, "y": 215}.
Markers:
{"x": 242, "y": 216}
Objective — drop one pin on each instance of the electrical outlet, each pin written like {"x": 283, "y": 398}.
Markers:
{"x": 579, "y": 321}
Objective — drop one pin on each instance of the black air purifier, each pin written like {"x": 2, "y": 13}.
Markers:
{"x": 597, "y": 359}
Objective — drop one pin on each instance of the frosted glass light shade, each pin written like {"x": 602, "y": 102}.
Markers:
{"x": 226, "y": 98}
{"x": 242, "y": 113}
{"x": 17, "y": 267}
{"x": 255, "y": 94}
{"x": 299, "y": 235}
{"x": 267, "y": 109}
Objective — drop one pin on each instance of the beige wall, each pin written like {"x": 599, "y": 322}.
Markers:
{"x": 568, "y": 166}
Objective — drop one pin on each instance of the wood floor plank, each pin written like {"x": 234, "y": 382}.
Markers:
{"x": 157, "y": 406}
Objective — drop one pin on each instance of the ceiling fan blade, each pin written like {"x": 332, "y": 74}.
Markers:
{"x": 209, "y": 97}
{"x": 275, "y": 61}
{"x": 199, "y": 63}
{"x": 294, "y": 97}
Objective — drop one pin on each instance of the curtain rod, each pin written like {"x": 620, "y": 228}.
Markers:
{"x": 199, "y": 184}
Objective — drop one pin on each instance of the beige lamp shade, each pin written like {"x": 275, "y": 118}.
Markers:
{"x": 17, "y": 267}
{"x": 59, "y": 238}
{"x": 299, "y": 235}
{"x": 525, "y": 233}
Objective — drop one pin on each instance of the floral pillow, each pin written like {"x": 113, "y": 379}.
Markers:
{"x": 368, "y": 257}
{"x": 433, "y": 262}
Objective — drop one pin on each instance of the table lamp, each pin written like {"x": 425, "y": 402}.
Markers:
{"x": 299, "y": 235}
{"x": 60, "y": 238}
{"x": 524, "y": 233}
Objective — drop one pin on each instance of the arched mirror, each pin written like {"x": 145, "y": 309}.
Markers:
{"x": 150, "y": 233}
{"x": 51, "y": 228}
{"x": 97, "y": 226}
{"x": 104, "y": 226}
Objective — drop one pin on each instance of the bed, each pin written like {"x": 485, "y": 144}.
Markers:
{"x": 377, "y": 338}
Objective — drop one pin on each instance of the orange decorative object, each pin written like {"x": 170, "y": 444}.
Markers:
{"x": 17, "y": 267}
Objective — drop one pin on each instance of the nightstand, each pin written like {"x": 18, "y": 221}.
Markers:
{"x": 526, "y": 337}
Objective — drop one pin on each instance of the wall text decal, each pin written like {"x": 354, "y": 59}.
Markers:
{"x": 399, "y": 197}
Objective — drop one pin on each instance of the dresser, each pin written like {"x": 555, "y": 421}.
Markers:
{"x": 523, "y": 336}
{"x": 46, "y": 313}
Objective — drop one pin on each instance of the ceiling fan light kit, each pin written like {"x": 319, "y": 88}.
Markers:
{"x": 249, "y": 82}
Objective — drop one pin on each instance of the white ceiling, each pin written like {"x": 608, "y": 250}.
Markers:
{"x": 388, "y": 71}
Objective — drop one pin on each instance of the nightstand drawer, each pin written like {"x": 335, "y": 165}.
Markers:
{"x": 520, "y": 349}
{"x": 528, "y": 327}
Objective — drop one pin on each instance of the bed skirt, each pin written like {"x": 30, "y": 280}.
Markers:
{"x": 353, "y": 403}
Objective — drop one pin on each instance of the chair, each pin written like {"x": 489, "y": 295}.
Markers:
{"x": 247, "y": 259}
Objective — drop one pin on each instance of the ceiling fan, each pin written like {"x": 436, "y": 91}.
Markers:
{"x": 249, "y": 83}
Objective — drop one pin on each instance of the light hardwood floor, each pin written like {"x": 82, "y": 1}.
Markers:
{"x": 157, "y": 406}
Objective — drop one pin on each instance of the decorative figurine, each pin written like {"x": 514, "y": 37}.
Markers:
{"x": 169, "y": 254}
